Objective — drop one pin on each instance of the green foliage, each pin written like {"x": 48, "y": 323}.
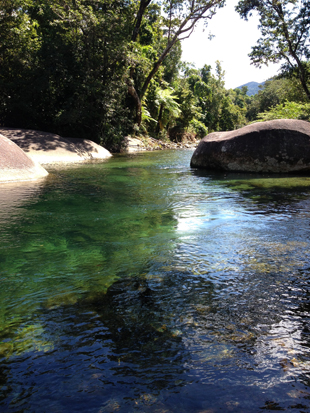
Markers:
{"x": 72, "y": 82}
{"x": 287, "y": 110}
{"x": 285, "y": 27}
{"x": 90, "y": 69}
{"x": 171, "y": 64}
{"x": 274, "y": 92}
{"x": 146, "y": 116}
{"x": 69, "y": 66}
{"x": 168, "y": 101}
{"x": 188, "y": 104}
{"x": 219, "y": 109}
{"x": 231, "y": 115}
{"x": 199, "y": 129}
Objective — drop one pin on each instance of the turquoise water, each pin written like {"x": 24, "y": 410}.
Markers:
{"x": 141, "y": 285}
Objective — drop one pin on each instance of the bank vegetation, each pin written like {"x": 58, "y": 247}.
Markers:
{"x": 103, "y": 69}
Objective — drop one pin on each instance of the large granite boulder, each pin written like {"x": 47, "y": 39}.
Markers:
{"x": 15, "y": 165}
{"x": 45, "y": 147}
{"x": 276, "y": 146}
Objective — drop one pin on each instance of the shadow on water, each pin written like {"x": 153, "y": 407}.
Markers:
{"x": 268, "y": 193}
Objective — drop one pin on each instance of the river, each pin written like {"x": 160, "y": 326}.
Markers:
{"x": 140, "y": 285}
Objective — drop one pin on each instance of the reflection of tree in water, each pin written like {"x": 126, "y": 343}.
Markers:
{"x": 143, "y": 319}
{"x": 143, "y": 343}
{"x": 298, "y": 292}
{"x": 120, "y": 345}
{"x": 4, "y": 388}
{"x": 147, "y": 335}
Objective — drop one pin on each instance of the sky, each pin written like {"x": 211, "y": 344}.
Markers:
{"x": 231, "y": 45}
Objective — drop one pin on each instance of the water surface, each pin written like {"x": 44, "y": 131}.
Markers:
{"x": 141, "y": 285}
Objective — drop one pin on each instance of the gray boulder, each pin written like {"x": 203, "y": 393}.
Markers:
{"x": 277, "y": 146}
{"x": 15, "y": 165}
{"x": 45, "y": 147}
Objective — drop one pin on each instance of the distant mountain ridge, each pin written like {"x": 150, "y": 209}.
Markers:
{"x": 253, "y": 87}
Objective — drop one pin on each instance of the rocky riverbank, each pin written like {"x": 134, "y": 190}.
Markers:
{"x": 25, "y": 150}
{"x": 133, "y": 144}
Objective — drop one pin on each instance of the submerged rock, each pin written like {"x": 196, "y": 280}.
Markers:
{"x": 15, "y": 165}
{"x": 276, "y": 146}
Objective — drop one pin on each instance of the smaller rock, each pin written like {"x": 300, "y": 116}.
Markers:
{"x": 132, "y": 145}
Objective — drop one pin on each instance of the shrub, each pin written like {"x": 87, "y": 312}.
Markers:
{"x": 198, "y": 128}
{"x": 287, "y": 110}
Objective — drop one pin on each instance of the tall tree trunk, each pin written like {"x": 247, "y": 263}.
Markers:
{"x": 196, "y": 13}
{"x": 143, "y": 5}
{"x": 132, "y": 91}
{"x": 156, "y": 67}
{"x": 292, "y": 51}
{"x": 191, "y": 19}
{"x": 130, "y": 83}
{"x": 159, "y": 118}
{"x": 303, "y": 77}
{"x": 300, "y": 68}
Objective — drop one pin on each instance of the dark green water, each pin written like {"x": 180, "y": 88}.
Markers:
{"x": 140, "y": 285}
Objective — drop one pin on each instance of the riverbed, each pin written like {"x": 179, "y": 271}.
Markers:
{"x": 138, "y": 284}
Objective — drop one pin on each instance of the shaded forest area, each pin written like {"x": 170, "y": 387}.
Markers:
{"x": 103, "y": 69}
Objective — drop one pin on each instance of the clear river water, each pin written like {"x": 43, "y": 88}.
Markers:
{"x": 140, "y": 285}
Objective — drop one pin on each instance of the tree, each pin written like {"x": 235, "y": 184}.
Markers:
{"x": 215, "y": 107}
{"x": 287, "y": 110}
{"x": 62, "y": 66}
{"x": 274, "y": 92}
{"x": 285, "y": 29}
{"x": 182, "y": 17}
{"x": 167, "y": 103}
{"x": 19, "y": 41}
{"x": 66, "y": 66}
